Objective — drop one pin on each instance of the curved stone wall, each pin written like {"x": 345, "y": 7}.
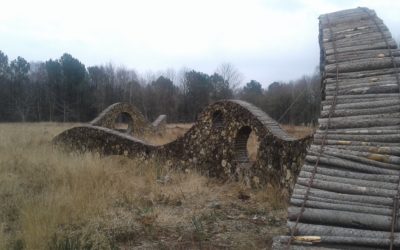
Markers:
{"x": 215, "y": 145}
{"x": 137, "y": 124}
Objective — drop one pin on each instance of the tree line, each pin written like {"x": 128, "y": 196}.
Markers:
{"x": 65, "y": 90}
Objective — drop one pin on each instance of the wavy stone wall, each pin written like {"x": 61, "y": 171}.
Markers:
{"x": 137, "y": 124}
{"x": 215, "y": 145}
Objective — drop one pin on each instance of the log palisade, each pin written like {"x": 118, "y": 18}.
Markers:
{"x": 346, "y": 195}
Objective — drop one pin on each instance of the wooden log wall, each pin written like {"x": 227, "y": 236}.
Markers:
{"x": 347, "y": 193}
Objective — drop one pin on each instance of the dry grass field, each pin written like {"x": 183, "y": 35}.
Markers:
{"x": 53, "y": 200}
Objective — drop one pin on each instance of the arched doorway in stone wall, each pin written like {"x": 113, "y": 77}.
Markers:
{"x": 246, "y": 146}
{"x": 124, "y": 123}
{"x": 218, "y": 119}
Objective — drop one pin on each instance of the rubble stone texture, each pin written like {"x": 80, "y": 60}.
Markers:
{"x": 216, "y": 144}
{"x": 137, "y": 124}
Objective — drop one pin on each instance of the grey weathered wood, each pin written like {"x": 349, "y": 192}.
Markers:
{"x": 357, "y": 80}
{"x": 343, "y": 87}
{"x": 363, "y": 96}
{"x": 357, "y": 41}
{"x": 365, "y": 104}
{"x": 363, "y": 54}
{"x": 347, "y": 188}
{"x": 355, "y": 118}
{"x": 387, "y": 88}
{"x": 367, "y": 199}
{"x": 371, "y": 158}
{"x": 351, "y": 181}
{"x": 349, "y": 28}
{"x": 393, "y": 137}
{"x": 366, "y": 34}
{"x": 334, "y": 20}
{"x": 280, "y": 243}
{"x": 337, "y": 155}
{"x": 350, "y": 165}
{"x": 361, "y": 131}
{"x": 356, "y": 178}
{"x": 326, "y": 170}
{"x": 372, "y": 149}
{"x": 342, "y": 13}
{"x": 333, "y": 201}
{"x": 375, "y": 127}
{"x": 377, "y": 45}
{"x": 349, "y": 101}
{"x": 344, "y": 241}
{"x": 361, "y": 74}
{"x": 355, "y": 112}
{"x": 322, "y": 230}
{"x": 341, "y": 207}
{"x": 343, "y": 218}
{"x": 355, "y": 143}
{"x": 360, "y": 121}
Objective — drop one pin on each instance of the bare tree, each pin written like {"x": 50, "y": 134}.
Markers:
{"x": 230, "y": 74}
{"x": 126, "y": 80}
{"x": 170, "y": 73}
{"x": 21, "y": 89}
{"x": 148, "y": 77}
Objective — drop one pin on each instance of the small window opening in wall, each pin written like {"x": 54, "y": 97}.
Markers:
{"x": 246, "y": 145}
{"x": 124, "y": 123}
{"x": 218, "y": 119}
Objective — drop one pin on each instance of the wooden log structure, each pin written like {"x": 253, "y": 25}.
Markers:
{"x": 347, "y": 193}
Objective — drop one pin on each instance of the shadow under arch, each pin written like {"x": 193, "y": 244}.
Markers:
{"x": 124, "y": 123}
{"x": 218, "y": 119}
{"x": 240, "y": 150}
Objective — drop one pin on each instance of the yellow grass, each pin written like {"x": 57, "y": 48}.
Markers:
{"x": 298, "y": 131}
{"x": 54, "y": 200}
{"x": 171, "y": 132}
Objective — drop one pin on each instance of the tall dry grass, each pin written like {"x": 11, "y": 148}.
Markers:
{"x": 55, "y": 200}
{"x": 46, "y": 195}
{"x": 171, "y": 133}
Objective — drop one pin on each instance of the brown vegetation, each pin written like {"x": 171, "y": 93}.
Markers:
{"x": 299, "y": 131}
{"x": 53, "y": 200}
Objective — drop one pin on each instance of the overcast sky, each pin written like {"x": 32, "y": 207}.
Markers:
{"x": 270, "y": 40}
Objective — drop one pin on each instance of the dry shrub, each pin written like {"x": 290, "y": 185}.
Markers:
{"x": 274, "y": 196}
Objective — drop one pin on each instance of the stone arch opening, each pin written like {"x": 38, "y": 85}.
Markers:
{"x": 124, "y": 123}
{"x": 242, "y": 143}
{"x": 218, "y": 119}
